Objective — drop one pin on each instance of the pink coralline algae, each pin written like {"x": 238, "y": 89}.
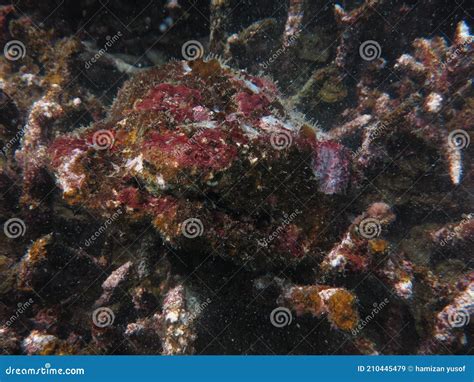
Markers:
{"x": 187, "y": 142}
{"x": 354, "y": 251}
{"x": 181, "y": 102}
{"x": 331, "y": 167}
{"x": 179, "y": 207}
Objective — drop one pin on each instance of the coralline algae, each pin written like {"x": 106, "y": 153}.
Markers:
{"x": 199, "y": 203}
{"x": 200, "y": 143}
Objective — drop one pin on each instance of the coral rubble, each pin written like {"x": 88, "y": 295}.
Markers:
{"x": 303, "y": 184}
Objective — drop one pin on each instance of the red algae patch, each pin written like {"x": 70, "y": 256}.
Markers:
{"x": 201, "y": 141}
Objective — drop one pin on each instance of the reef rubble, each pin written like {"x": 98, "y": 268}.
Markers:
{"x": 235, "y": 202}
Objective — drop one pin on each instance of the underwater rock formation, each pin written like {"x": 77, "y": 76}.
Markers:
{"x": 191, "y": 208}
{"x": 181, "y": 146}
